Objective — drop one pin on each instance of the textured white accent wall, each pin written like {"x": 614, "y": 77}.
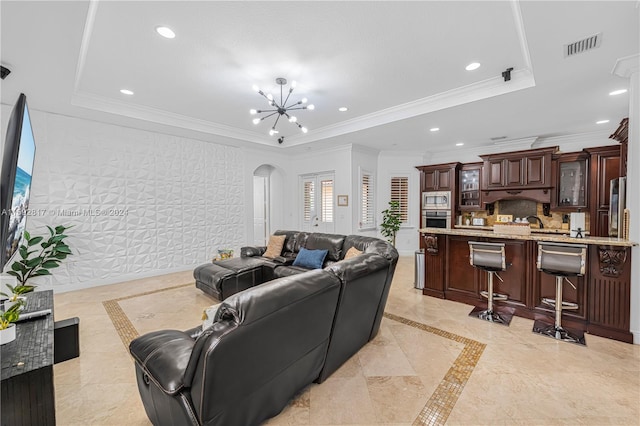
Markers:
{"x": 141, "y": 203}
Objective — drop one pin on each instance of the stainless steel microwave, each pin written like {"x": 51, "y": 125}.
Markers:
{"x": 436, "y": 200}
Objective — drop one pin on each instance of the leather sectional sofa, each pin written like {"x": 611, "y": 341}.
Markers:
{"x": 270, "y": 340}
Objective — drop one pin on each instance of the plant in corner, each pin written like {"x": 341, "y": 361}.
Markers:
{"x": 391, "y": 222}
{"x": 50, "y": 253}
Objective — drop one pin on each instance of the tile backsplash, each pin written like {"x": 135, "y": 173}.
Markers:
{"x": 553, "y": 222}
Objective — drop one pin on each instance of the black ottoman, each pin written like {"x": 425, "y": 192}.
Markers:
{"x": 223, "y": 278}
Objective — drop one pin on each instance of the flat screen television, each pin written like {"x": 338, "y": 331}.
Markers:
{"x": 15, "y": 179}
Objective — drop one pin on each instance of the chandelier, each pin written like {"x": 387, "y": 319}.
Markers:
{"x": 281, "y": 108}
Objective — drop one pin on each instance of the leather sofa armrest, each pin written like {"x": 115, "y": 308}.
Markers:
{"x": 252, "y": 251}
{"x": 164, "y": 356}
{"x": 359, "y": 266}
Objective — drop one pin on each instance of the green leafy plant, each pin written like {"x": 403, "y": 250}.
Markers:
{"x": 10, "y": 316}
{"x": 17, "y": 291}
{"x": 48, "y": 256}
{"x": 391, "y": 222}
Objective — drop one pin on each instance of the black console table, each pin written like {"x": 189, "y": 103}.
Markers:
{"x": 27, "y": 393}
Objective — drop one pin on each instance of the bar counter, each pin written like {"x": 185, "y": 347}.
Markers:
{"x": 602, "y": 294}
{"x": 536, "y": 235}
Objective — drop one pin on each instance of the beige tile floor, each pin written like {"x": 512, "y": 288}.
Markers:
{"x": 430, "y": 364}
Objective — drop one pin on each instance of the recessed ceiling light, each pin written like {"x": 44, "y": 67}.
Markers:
{"x": 126, "y": 92}
{"x": 343, "y": 109}
{"x": 602, "y": 121}
{"x": 166, "y": 32}
{"x": 434, "y": 129}
{"x": 472, "y": 66}
{"x": 460, "y": 144}
{"x": 618, "y": 92}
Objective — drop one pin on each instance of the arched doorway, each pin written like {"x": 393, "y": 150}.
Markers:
{"x": 261, "y": 204}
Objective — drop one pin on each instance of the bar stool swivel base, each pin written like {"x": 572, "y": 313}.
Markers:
{"x": 491, "y": 316}
{"x": 559, "y": 333}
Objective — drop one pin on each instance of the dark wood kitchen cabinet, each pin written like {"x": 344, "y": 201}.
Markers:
{"x": 603, "y": 294}
{"x": 518, "y": 170}
{"x": 571, "y": 177}
{"x": 469, "y": 194}
{"x": 440, "y": 177}
{"x": 464, "y": 282}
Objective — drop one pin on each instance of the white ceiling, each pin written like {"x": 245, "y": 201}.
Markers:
{"x": 397, "y": 66}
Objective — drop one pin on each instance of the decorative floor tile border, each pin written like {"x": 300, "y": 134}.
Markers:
{"x": 436, "y": 410}
{"x": 444, "y": 398}
{"x": 120, "y": 320}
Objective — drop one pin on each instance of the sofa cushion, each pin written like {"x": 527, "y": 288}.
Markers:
{"x": 330, "y": 242}
{"x": 312, "y": 259}
{"x": 371, "y": 245}
{"x": 287, "y": 271}
{"x": 274, "y": 247}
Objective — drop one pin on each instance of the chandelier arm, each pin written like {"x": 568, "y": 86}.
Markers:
{"x": 266, "y": 110}
{"x": 267, "y": 116}
{"x": 276, "y": 122}
{"x": 287, "y": 98}
{"x": 293, "y": 104}
{"x": 292, "y": 109}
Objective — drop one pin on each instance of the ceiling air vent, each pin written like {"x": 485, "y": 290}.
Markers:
{"x": 583, "y": 45}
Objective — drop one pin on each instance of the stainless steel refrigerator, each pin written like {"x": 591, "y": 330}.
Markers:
{"x": 617, "y": 204}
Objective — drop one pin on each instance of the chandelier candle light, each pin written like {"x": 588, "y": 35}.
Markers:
{"x": 280, "y": 108}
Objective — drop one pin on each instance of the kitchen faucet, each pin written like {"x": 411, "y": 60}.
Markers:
{"x": 540, "y": 224}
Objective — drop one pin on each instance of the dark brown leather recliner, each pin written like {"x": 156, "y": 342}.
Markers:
{"x": 266, "y": 344}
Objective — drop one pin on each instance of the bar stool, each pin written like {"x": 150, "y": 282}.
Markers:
{"x": 563, "y": 261}
{"x": 491, "y": 258}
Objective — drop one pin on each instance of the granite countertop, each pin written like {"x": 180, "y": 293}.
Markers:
{"x": 487, "y": 231}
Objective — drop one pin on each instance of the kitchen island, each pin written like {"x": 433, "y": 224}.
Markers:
{"x": 602, "y": 294}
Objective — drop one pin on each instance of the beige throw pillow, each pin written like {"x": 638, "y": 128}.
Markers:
{"x": 352, "y": 252}
{"x": 274, "y": 248}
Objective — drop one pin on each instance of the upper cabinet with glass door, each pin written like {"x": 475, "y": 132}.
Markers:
{"x": 469, "y": 198}
{"x": 571, "y": 181}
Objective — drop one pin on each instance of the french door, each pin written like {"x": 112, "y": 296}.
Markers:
{"x": 317, "y": 209}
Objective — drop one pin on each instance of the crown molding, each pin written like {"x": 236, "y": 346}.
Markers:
{"x": 112, "y": 106}
{"x": 520, "y": 79}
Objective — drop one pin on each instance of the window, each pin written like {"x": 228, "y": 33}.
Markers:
{"x": 308, "y": 200}
{"x": 367, "y": 191}
{"x": 400, "y": 193}
{"x": 326, "y": 200}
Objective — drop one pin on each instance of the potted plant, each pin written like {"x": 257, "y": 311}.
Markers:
{"x": 7, "y": 320}
{"x": 391, "y": 222}
{"x": 37, "y": 261}
{"x": 16, "y": 294}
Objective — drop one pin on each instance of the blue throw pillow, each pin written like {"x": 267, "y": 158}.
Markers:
{"x": 312, "y": 259}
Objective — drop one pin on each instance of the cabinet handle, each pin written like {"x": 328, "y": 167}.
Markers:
{"x": 513, "y": 192}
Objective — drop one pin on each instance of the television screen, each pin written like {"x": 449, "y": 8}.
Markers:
{"x": 17, "y": 171}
